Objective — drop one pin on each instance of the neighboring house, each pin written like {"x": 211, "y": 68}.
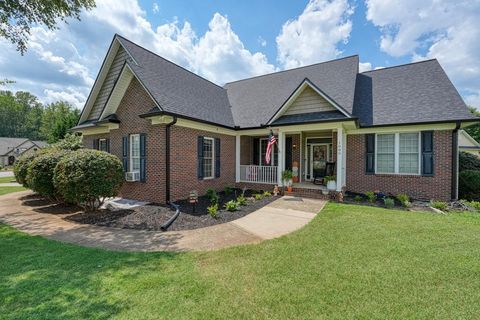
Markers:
{"x": 12, "y": 148}
{"x": 393, "y": 129}
{"x": 466, "y": 143}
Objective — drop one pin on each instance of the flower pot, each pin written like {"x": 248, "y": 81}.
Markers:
{"x": 332, "y": 185}
{"x": 289, "y": 188}
{"x": 325, "y": 192}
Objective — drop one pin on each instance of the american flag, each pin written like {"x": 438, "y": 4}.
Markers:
{"x": 271, "y": 141}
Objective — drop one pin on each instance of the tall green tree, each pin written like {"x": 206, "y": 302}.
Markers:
{"x": 17, "y": 17}
{"x": 57, "y": 119}
{"x": 474, "y": 130}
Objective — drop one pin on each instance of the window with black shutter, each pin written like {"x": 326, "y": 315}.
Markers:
{"x": 217, "y": 157}
{"x": 427, "y": 153}
{"x": 143, "y": 155}
{"x": 200, "y": 157}
{"x": 370, "y": 153}
{"x": 125, "y": 153}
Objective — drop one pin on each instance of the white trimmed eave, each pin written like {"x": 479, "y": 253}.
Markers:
{"x": 97, "y": 129}
{"x": 299, "y": 91}
{"x": 165, "y": 119}
{"x": 118, "y": 91}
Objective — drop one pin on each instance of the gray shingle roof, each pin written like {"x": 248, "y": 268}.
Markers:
{"x": 411, "y": 93}
{"x": 7, "y": 144}
{"x": 178, "y": 90}
{"x": 254, "y": 101}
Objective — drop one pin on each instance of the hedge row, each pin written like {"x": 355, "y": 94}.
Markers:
{"x": 469, "y": 177}
{"x": 83, "y": 177}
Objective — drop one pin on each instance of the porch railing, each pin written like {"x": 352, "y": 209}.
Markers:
{"x": 258, "y": 174}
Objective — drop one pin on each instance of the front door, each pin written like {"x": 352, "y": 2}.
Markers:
{"x": 318, "y": 159}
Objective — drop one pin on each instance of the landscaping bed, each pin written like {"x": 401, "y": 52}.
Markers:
{"x": 152, "y": 217}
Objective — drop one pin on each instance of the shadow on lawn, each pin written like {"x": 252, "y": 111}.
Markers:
{"x": 51, "y": 280}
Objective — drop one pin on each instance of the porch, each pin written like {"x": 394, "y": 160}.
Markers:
{"x": 307, "y": 152}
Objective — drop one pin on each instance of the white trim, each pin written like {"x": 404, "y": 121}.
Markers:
{"x": 163, "y": 119}
{"x": 99, "y": 144}
{"x": 409, "y": 128}
{"x": 295, "y": 95}
{"x": 396, "y": 142}
{"x": 469, "y": 138}
{"x": 130, "y": 155}
{"x": 300, "y": 169}
{"x": 339, "y": 159}
{"x": 118, "y": 91}
{"x": 237, "y": 157}
{"x": 213, "y": 159}
{"x": 281, "y": 148}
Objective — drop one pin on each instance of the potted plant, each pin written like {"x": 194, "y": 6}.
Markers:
{"x": 331, "y": 182}
{"x": 287, "y": 176}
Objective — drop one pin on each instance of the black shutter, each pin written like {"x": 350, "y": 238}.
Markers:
{"x": 200, "y": 157}
{"x": 217, "y": 157}
{"x": 143, "y": 154}
{"x": 107, "y": 142}
{"x": 427, "y": 153}
{"x": 95, "y": 144}
{"x": 370, "y": 153}
{"x": 256, "y": 151}
{"x": 288, "y": 153}
{"x": 125, "y": 153}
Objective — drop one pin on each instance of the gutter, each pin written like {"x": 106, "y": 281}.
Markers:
{"x": 454, "y": 191}
{"x": 167, "y": 159}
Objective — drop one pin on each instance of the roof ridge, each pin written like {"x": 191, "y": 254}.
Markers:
{"x": 400, "y": 65}
{"x": 171, "y": 62}
{"x": 296, "y": 68}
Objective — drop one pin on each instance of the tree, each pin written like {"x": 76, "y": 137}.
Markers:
{"x": 474, "y": 130}
{"x": 17, "y": 17}
{"x": 57, "y": 119}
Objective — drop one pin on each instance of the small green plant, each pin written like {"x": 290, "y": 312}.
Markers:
{"x": 212, "y": 195}
{"x": 287, "y": 177}
{"x": 258, "y": 196}
{"x": 267, "y": 194}
{"x": 440, "y": 205}
{"x": 231, "y": 205}
{"x": 474, "y": 204}
{"x": 371, "y": 197}
{"x": 326, "y": 179}
{"x": 241, "y": 200}
{"x": 212, "y": 210}
{"x": 389, "y": 202}
{"x": 358, "y": 198}
{"x": 228, "y": 190}
{"x": 402, "y": 197}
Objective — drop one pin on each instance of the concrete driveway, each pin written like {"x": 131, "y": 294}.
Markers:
{"x": 278, "y": 218}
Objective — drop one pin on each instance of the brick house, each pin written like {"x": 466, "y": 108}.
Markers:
{"x": 393, "y": 129}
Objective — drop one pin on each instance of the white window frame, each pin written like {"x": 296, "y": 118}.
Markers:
{"x": 397, "y": 153}
{"x": 213, "y": 159}
{"x": 130, "y": 156}
{"x": 100, "y": 144}
{"x": 273, "y": 159}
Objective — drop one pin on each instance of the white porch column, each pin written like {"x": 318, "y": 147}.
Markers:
{"x": 281, "y": 156}
{"x": 237, "y": 158}
{"x": 344, "y": 162}
{"x": 340, "y": 156}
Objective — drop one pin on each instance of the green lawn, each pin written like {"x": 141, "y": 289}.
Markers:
{"x": 6, "y": 179}
{"x": 5, "y": 190}
{"x": 349, "y": 262}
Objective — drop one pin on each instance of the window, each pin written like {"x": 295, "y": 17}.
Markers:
{"x": 263, "y": 153}
{"x": 398, "y": 153}
{"x": 102, "y": 145}
{"x": 135, "y": 153}
{"x": 208, "y": 158}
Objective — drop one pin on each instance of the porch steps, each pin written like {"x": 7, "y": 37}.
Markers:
{"x": 313, "y": 193}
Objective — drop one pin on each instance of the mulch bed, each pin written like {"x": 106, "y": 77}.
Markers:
{"x": 152, "y": 217}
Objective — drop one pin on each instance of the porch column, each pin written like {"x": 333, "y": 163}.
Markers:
{"x": 281, "y": 156}
{"x": 237, "y": 158}
{"x": 340, "y": 156}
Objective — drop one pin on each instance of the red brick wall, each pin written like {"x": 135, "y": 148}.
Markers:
{"x": 418, "y": 187}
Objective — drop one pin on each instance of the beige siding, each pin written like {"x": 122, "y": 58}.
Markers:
{"x": 309, "y": 101}
{"x": 108, "y": 84}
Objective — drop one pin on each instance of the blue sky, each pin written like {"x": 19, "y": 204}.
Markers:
{"x": 229, "y": 40}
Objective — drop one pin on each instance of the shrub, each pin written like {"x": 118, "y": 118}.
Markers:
{"x": 469, "y": 184}
{"x": 267, "y": 194}
{"x": 231, "y": 205}
{"x": 228, "y": 190}
{"x": 468, "y": 161}
{"x": 241, "y": 200}
{"x": 474, "y": 204}
{"x": 20, "y": 169}
{"x": 87, "y": 177}
{"x": 71, "y": 142}
{"x": 402, "y": 197}
{"x": 40, "y": 173}
{"x": 389, "y": 202}
{"x": 358, "y": 198}
{"x": 212, "y": 210}
{"x": 440, "y": 205}
{"x": 258, "y": 196}
{"x": 371, "y": 197}
{"x": 212, "y": 195}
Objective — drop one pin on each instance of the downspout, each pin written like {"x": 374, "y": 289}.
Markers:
{"x": 167, "y": 159}
{"x": 455, "y": 160}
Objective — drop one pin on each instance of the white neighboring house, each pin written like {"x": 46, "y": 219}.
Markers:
{"x": 12, "y": 148}
{"x": 466, "y": 143}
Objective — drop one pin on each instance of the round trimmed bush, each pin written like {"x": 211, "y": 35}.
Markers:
{"x": 87, "y": 177}
{"x": 40, "y": 173}
{"x": 20, "y": 168}
{"x": 468, "y": 161}
{"x": 469, "y": 185}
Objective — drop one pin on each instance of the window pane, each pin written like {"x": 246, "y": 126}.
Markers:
{"x": 102, "y": 145}
{"x": 409, "y": 154}
{"x": 208, "y": 158}
{"x": 408, "y": 163}
{"x": 409, "y": 142}
{"x": 386, "y": 143}
{"x": 135, "y": 153}
{"x": 386, "y": 163}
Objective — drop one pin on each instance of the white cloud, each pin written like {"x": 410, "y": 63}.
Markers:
{"x": 62, "y": 64}
{"x": 364, "y": 66}
{"x": 314, "y": 35}
{"x": 442, "y": 29}
{"x": 262, "y": 41}
{"x": 155, "y": 8}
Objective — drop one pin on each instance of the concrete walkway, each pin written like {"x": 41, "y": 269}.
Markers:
{"x": 280, "y": 217}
